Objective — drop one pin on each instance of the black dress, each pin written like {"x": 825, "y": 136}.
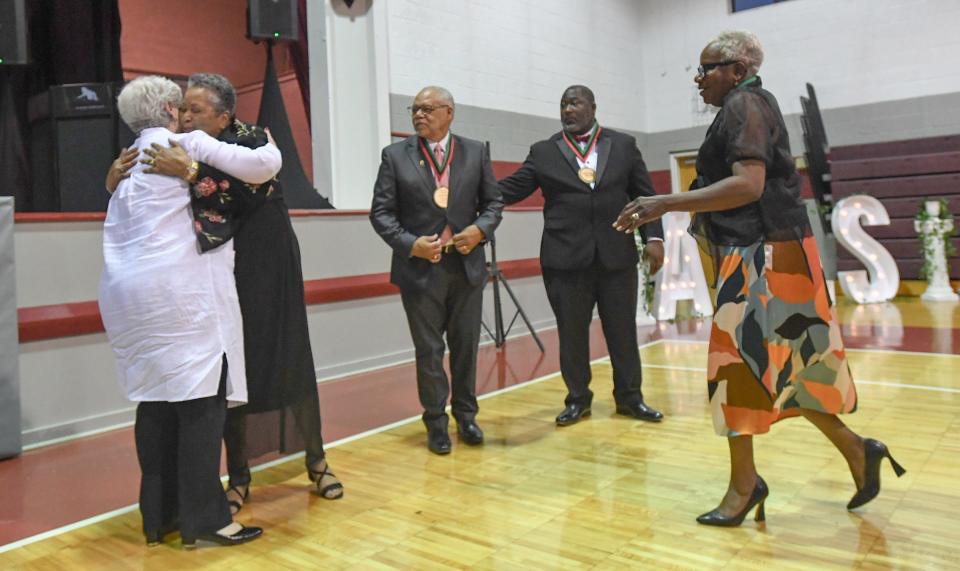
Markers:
{"x": 282, "y": 413}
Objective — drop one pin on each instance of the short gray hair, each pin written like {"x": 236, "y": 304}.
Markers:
{"x": 442, "y": 92}
{"x": 142, "y": 102}
{"x": 739, "y": 45}
{"x": 224, "y": 95}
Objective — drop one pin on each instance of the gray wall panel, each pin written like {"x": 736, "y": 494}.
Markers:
{"x": 9, "y": 342}
{"x": 510, "y": 134}
{"x": 69, "y": 384}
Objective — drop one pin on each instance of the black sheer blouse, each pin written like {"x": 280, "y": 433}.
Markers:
{"x": 750, "y": 126}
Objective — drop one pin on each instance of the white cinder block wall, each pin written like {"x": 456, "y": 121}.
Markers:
{"x": 854, "y": 52}
{"x": 519, "y": 56}
{"x": 640, "y": 55}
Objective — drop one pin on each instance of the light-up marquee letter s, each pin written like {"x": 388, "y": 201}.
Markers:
{"x": 849, "y": 215}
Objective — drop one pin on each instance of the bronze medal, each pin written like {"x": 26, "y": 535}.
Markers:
{"x": 440, "y": 196}
{"x": 587, "y": 175}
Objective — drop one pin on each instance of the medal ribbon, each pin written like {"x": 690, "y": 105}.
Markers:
{"x": 438, "y": 170}
{"x": 582, "y": 155}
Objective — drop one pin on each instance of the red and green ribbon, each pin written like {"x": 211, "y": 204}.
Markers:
{"x": 438, "y": 169}
{"x": 575, "y": 147}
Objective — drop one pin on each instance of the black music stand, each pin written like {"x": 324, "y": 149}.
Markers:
{"x": 499, "y": 334}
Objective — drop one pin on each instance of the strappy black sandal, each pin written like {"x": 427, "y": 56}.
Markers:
{"x": 236, "y": 495}
{"x": 332, "y": 491}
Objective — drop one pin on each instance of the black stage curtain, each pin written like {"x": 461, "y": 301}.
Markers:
{"x": 298, "y": 192}
{"x": 71, "y": 41}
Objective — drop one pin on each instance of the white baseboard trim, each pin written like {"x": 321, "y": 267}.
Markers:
{"x": 77, "y": 428}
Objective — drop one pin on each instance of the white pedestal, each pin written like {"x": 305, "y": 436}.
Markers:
{"x": 939, "y": 294}
{"x": 938, "y": 282}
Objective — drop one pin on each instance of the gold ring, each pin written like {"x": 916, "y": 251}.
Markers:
{"x": 635, "y": 216}
{"x": 152, "y": 162}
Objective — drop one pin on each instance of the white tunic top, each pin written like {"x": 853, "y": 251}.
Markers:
{"x": 171, "y": 313}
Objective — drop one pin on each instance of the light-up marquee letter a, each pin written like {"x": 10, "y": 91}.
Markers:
{"x": 884, "y": 278}
{"x": 682, "y": 275}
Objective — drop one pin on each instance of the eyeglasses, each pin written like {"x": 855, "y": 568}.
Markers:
{"x": 704, "y": 69}
{"x": 425, "y": 109}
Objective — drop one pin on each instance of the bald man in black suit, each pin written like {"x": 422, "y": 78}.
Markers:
{"x": 587, "y": 174}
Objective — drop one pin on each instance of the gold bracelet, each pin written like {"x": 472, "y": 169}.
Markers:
{"x": 192, "y": 171}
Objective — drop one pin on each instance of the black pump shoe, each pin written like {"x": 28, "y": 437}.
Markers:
{"x": 874, "y": 452}
{"x": 244, "y": 535}
{"x": 757, "y": 497}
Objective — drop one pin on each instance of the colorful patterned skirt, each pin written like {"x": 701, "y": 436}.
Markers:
{"x": 775, "y": 345}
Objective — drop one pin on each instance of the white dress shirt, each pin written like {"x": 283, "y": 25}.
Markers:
{"x": 171, "y": 313}
{"x": 432, "y": 145}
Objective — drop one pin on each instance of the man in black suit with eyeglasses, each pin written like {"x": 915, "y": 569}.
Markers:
{"x": 435, "y": 200}
{"x": 587, "y": 174}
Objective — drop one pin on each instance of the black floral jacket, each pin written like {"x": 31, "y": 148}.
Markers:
{"x": 219, "y": 201}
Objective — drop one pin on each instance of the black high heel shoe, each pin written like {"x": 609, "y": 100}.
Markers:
{"x": 757, "y": 497}
{"x": 874, "y": 452}
{"x": 244, "y": 535}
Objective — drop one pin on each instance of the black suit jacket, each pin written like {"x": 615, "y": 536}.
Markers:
{"x": 577, "y": 220}
{"x": 403, "y": 207}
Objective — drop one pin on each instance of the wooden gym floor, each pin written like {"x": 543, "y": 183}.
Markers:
{"x": 609, "y": 492}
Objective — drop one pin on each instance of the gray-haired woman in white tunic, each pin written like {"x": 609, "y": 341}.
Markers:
{"x": 173, "y": 321}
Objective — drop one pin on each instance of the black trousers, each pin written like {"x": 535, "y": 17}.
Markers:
{"x": 178, "y": 446}
{"x": 450, "y": 305}
{"x": 306, "y": 412}
{"x": 573, "y": 295}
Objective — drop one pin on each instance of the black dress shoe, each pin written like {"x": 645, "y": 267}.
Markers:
{"x": 757, "y": 497}
{"x": 640, "y": 411}
{"x": 438, "y": 441}
{"x": 244, "y": 535}
{"x": 572, "y": 414}
{"x": 874, "y": 453}
{"x": 470, "y": 433}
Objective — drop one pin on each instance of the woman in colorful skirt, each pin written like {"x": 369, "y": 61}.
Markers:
{"x": 775, "y": 347}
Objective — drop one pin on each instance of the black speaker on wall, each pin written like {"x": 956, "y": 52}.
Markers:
{"x": 73, "y": 140}
{"x": 13, "y": 33}
{"x": 272, "y": 20}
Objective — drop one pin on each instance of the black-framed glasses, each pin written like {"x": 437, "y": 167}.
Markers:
{"x": 426, "y": 109}
{"x": 705, "y": 68}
